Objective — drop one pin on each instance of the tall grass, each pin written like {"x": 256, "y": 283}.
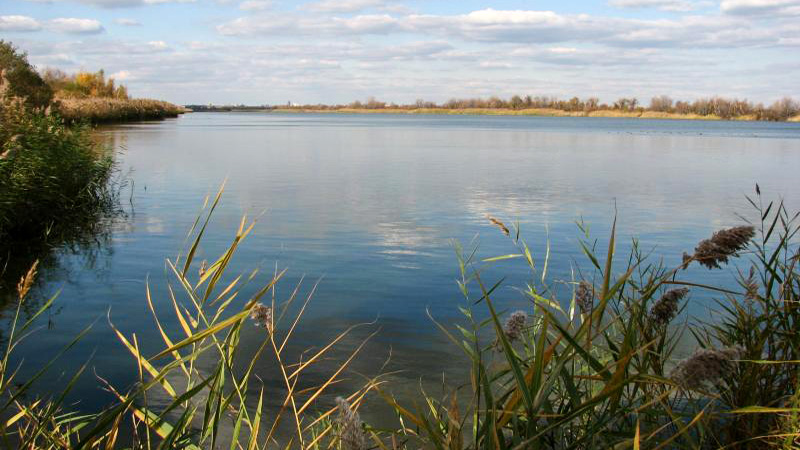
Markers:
{"x": 52, "y": 177}
{"x": 196, "y": 392}
{"x": 106, "y": 109}
{"x": 594, "y": 369}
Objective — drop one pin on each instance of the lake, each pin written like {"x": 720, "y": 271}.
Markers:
{"x": 371, "y": 205}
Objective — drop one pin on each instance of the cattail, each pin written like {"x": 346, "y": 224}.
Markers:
{"x": 664, "y": 310}
{"x": 722, "y": 245}
{"x": 706, "y": 366}
{"x": 584, "y": 297}
{"x": 499, "y": 224}
{"x": 26, "y": 282}
{"x": 351, "y": 434}
{"x": 515, "y": 324}
{"x": 262, "y": 315}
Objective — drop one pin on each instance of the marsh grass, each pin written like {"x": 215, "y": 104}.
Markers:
{"x": 54, "y": 179}
{"x": 604, "y": 375}
{"x": 195, "y": 391}
{"x": 108, "y": 109}
{"x": 556, "y": 375}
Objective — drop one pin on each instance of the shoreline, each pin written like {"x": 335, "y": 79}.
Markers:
{"x": 532, "y": 112}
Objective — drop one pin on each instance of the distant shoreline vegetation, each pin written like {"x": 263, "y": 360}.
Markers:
{"x": 661, "y": 107}
{"x": 89, "y": 96}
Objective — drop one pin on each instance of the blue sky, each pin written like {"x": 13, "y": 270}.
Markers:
{"x": 331, "y": 51}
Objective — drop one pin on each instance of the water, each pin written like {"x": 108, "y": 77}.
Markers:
{"x": 371, "y": 204}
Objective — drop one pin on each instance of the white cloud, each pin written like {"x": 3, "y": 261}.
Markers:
{"x": 19, "y": 23}
{"x": 664, "y": 5}
{"x": 529, "y": 27}
{"x": 127, "y": 22}
{"x": 339, "y": 6}
{"x": 158, "y": 45}
{"x": 75, "y": 26}
{"x": 369, "y": 24}
{"x": 117, "y": 3}
{"x": 122, "y": 75}
{"x": 255, "y": 5}
{"x": 759, "y": 7}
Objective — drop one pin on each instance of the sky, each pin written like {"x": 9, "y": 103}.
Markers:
{"x": 335, "y": 51}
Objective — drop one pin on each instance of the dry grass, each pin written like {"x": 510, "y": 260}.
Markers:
{"x": 101, "y": 109}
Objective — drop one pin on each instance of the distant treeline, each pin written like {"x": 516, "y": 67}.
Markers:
{"x": 718, "y": 107}
{"x": 226, "y": 108}
{"x": 83, "y": 85}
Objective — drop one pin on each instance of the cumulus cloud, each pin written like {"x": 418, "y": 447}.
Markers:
{"x": 75, "y": 26}
{"x": 664, "y": 5}
{"x": 267, "y": 24}
{"x": 127, "y": 22}
{"x": 117, "y": 3}
{"x": 529, "y": 27}
{"x": 158, "y": 45}
{"x": 339, "y": 6}
{"x": 761, "y": 7}
{"x": 255, "y": 5}
{"x": 122, "y": 75}
{"x": 19, "y": 23}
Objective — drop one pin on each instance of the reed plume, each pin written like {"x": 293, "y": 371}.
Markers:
{"x": 584, "y": 297}
{"x": 705, "y": 366}
{"x": 515, "y": 325}
{"x": 351, "y": 434}
{"x": 262, "y": 316}
{"x": 722, "y": 245}
{"x": 664, "y": 310}
{"x": 26, "y": 282}
{"x": 499, "y": 224}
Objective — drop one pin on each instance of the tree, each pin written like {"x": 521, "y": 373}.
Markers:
{"x": 661, "y": 103}
{"x": 18, "y": 78}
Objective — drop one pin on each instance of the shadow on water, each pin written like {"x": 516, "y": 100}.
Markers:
{"x": 83, "y": 235}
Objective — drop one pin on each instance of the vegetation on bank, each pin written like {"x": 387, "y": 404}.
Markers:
{"x": 91, "y": 97}
{"x": 101, "y": 109}
{"x": 53, "y": 177}
{"x": 588, "y": 364}
{"x": 83, "y": 96}
{"x": 662, "y": 107}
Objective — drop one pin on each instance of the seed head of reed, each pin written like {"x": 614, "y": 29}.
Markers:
{"x": 351, "y": 434}
{"x": 751, "y": 285}
{"x": 26, "y": 282}
{"x": 499, "y": 224}
{"x": 262, "y": 316}
{"x": 584, "y": 297}
{"x": 515, "y": 324}
{"x": 203, "y": 268}
{"x": 706, "y": 366}
{"x": 722, "y": 245}
{"x": 664, "y": 310}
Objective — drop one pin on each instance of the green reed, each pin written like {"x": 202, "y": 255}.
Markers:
{"x": 52, "y": 177}
{"x": 594, "y": 369}
{"x": 600, "y": 372}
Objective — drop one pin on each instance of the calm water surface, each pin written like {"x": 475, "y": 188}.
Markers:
{"x": 370, "y": 204}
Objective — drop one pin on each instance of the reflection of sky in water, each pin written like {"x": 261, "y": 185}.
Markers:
{"x": 371, "y": 204}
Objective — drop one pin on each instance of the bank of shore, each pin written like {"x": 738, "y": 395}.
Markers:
{"x": 543, "y": 112}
